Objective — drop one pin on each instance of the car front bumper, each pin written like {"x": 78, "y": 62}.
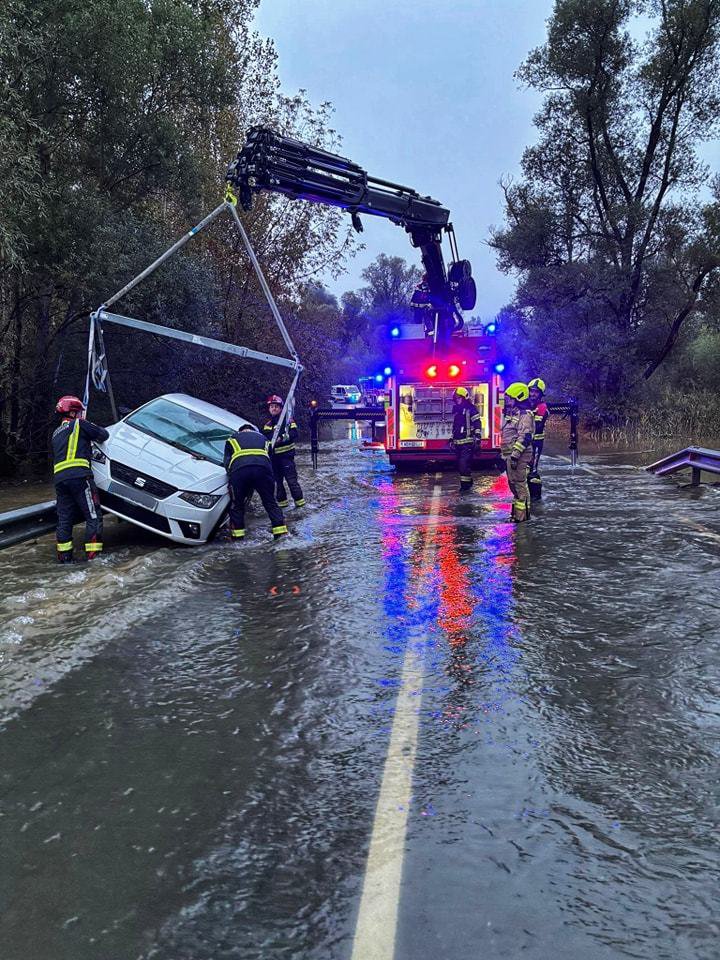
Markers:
{"x": 169, "y": 517}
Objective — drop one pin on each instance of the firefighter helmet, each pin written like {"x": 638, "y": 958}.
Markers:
{"x": 538, "y": 384}
{"x": 461, "y": 392}
{"x": 518, "y": 391}
{"x": 69, "y": 405}
{"x": 274, "y": 399}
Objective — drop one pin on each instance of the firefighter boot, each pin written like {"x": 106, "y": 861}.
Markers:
{"x": 64, "y": 551}
{"x": 535, "y": 484}
{"x": 520, "y": 511}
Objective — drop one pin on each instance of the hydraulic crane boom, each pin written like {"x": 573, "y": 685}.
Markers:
{"x": 269, "y": 161}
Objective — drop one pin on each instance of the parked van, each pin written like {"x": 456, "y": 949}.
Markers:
{"x": 344, "y": 394}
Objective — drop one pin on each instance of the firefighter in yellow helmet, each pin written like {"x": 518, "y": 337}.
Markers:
{"x": 466, "y": 431}
{"x": 516, "y": 439}
{"x": 540, "y": 414}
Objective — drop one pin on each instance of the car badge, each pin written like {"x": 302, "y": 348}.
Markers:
{"x": 139, "y": 482}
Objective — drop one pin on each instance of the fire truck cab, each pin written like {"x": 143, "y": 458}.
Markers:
{"x": 419, "y": 414}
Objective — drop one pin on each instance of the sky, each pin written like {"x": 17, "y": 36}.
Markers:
{"x": 424, "y": 95}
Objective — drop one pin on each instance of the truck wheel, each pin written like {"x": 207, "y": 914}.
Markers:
{"x": 459, "y": 271}
{"x": 467, "y": 294}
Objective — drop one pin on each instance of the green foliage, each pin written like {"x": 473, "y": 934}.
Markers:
{"x": 610, "y": 230}
{"x": 118, "y": 119}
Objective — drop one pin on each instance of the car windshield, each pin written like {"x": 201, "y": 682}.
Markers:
{"x": 182, "y": 428}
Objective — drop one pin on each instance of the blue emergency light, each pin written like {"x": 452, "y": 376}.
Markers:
{"x": 378, "y": 377}
{"x": 387, "y": 371}
{"x": 491, "y": 328}
{"x": 499, "y": 368}
{"x": 395, "y": 331}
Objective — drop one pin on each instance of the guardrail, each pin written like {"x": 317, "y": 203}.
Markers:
{"x": 26, "y": 523}
{"x": 696, "y": 458}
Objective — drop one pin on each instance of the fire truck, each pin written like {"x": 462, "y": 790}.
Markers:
{"x": 418, "y": 424}
{"x": 429, "y": 358}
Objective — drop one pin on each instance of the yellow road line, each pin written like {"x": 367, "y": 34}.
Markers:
{"x": 377, "y": 918}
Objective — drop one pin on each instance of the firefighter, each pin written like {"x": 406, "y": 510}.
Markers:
{"x": 247, "y": 461}
{"x": 466, "y": 430}
{"x": 517, "y": 436}
{"x": 282, "y": 454}
{"x": 540, "y": 414}
{"x": 75, "y": 490}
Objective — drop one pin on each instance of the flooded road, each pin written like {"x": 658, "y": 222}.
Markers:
{"x": 412, "y": 730}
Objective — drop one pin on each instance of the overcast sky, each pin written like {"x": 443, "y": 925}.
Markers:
{"x": 424, "y": 95}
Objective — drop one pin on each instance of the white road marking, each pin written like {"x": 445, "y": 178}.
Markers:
{"x": 377, "y": 917}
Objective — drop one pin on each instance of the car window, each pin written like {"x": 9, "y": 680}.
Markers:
{"x": 181, "y": 427}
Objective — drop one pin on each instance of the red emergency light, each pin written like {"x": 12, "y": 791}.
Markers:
{"x": 452, "y": 371}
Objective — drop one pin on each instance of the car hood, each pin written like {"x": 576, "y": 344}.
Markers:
{"x": 158, "y": 459}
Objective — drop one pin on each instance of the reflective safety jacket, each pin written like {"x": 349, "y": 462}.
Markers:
{"x": 467, "y": 423}
{"x": 517, "y": 433}
{"x": 540, "y": 415}
{"x": 287, "y": 438}
{"x": 72, "y": 448}
{"x": 246, "y": 448}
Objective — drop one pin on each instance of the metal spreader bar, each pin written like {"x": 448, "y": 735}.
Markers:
{"x": 263, "y": 283}
{"x": 196, "y": 339}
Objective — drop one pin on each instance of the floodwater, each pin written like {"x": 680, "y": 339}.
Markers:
{"x": 196, "y": 746}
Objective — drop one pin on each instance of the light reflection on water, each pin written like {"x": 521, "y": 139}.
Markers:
{"x": 208, "y": 735}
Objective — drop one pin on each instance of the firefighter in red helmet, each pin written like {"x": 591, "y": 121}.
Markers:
{"x": 282, "y": 454}
{"x": 75, "y": 490}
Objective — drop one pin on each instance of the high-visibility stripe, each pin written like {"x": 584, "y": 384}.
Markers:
{"x": 237, "y": 533}
{"x": 463, "y": 477}
{"x": 299, "y": 503}
{"x": 71, "y": 457}
{"x": 289, "y": 446}
{"x": 93, "y": 547}
{"x": 239, "y": 452}
{"x": 67, "y": 545}
{"x": 520, "y": 504}
{"x": 66, "y": 464}
{"x": 468, "y": 440}
{"x": 278, "y": 530}
{"x": 539, "y": 436}
{"x": 282, "y": 503}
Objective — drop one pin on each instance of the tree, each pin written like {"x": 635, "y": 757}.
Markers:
{"x": 118, "y": 119}
{"x": 614, "y": 244}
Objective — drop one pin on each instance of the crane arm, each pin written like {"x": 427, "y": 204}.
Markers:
{"x": 269, "y": 161}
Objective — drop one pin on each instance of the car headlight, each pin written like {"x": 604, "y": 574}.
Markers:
{"x": 203, "y": 500}
{"x": 98, "y": 456}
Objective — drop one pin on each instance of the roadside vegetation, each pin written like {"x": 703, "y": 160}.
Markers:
{"x": 613, "y": 229}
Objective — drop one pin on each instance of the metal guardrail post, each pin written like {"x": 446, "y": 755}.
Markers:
{"x": 314, "y": 444}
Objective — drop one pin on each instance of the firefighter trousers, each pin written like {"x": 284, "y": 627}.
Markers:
{"x": 285, "y": 471}
{"x": 534, "y": 478}
{"x": 463, "y": 458}
{"x": 77, "y": 499}
{"x": 518, "y": 481}
{"x": 244, "y": 481}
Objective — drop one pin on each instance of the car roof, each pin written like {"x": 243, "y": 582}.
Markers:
{"x": 218, "y": 414}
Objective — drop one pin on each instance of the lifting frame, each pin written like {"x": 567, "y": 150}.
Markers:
{"x": 97, "y": 370}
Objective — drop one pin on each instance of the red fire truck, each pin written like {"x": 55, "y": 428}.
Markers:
{"x": 419, "y": 416}
{"x": 429, "y": 358}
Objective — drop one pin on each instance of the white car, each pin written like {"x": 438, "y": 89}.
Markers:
{"x": 162, "y": 467}
{"x": 344, "y": 394}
